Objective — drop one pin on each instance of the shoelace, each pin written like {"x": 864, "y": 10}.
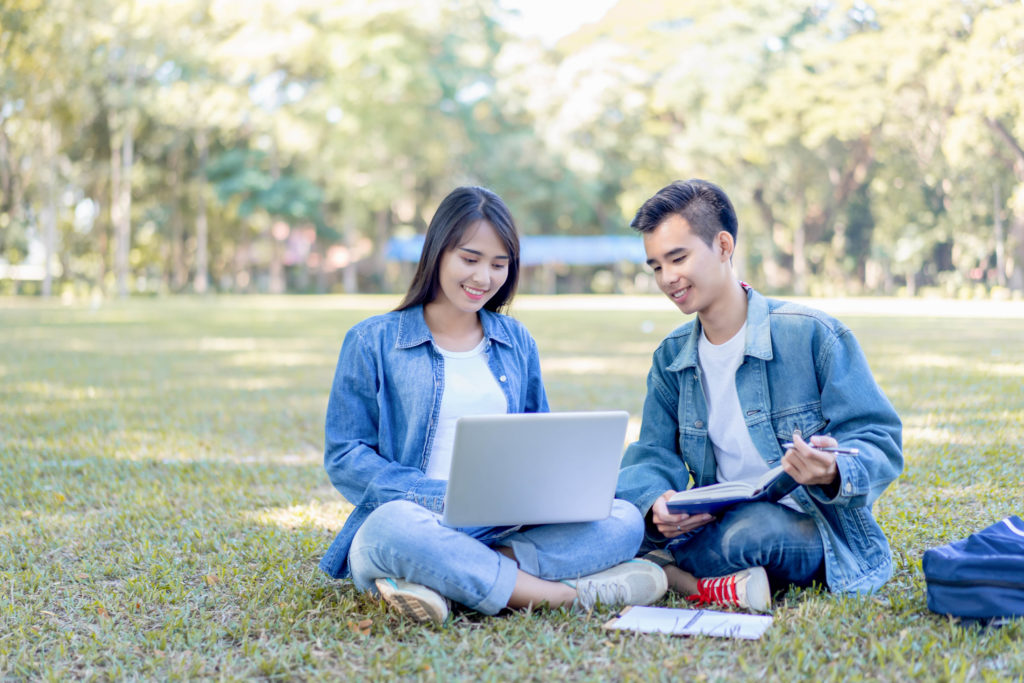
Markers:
{"x": 720, "y": 590}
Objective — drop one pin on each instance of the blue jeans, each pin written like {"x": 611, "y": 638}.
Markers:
{"x": 783, "y": 541}
{"x": 403, "y": 540}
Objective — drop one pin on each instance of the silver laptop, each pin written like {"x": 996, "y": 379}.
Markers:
{"x": 534, "y": 468}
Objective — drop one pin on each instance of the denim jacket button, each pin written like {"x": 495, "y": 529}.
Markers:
{"x": 849, "y": 487}
{"x": 503, "y": 378}
{"x": 699, "y": 424}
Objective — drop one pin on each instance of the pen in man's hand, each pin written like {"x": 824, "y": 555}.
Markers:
{"x": 836, "y": 450}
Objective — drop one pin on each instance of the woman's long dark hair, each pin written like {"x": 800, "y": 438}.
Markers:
{"x": 462, "y": 208}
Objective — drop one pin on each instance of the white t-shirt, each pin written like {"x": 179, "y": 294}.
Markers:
{"x": 469, "y": 389}
{"x": 735, "y": 452}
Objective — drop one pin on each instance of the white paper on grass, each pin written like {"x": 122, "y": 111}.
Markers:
{"x": 691, "y": 622}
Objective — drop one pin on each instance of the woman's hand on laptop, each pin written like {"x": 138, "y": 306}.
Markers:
{"x": 671, "y": 525}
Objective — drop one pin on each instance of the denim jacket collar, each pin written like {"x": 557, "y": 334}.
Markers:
{"x": 759, "y": 334}
{"x": 413, "y": 330}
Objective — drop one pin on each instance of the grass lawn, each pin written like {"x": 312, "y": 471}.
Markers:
{"x": 164, "y": 504}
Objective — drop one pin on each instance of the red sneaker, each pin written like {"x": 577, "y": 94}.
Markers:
{"x": 746, "y": 589}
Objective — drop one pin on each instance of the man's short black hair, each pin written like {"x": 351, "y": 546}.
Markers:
{"x": 704, "y": 206}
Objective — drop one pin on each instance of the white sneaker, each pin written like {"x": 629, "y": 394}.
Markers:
{"x": 414, "y": 600}
{"x": 746, "y": 589}
{"x": 636, "y": 582}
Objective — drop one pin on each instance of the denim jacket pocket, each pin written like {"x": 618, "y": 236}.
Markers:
{"x": 807, "y": 418}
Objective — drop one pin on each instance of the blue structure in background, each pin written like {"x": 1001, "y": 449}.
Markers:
{"x": 573, "y": 250}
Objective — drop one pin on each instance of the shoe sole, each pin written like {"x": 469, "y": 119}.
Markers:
{"x": 408, "y": 605}
{"x": 413, "y": 609}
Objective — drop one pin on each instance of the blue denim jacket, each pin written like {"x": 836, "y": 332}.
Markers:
{"x": 383, "y": 409}
{"x": 802, "y": 370}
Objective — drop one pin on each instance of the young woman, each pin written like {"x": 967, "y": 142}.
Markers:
{"x": 403, "y": 378}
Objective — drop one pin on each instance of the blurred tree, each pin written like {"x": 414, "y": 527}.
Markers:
{"x": 196, "y": 143}
{"x": 989, "y": 64}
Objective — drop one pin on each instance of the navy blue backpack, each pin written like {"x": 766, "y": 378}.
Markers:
{"x": 981, "y": 576}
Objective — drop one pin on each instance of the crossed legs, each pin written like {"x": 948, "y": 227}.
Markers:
{"x": 403, "y": 540}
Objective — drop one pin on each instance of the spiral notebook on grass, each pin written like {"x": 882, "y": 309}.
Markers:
{"x": 690, "y": 622}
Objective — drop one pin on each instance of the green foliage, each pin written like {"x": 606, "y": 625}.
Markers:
{"x": 855, "y": 138}
{"x": 164, "y": 502}
{"x": 244, "y": 175}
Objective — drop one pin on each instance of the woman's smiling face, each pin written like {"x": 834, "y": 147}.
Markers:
{"x": 473, "y": 271}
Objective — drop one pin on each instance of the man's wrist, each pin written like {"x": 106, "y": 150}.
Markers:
{"x": 831, "y": 489}
{"x": 650, "y": 527}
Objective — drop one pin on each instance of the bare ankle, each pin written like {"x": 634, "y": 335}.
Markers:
{"x": 680, "y": 581}
{"x": 531, "y": 591}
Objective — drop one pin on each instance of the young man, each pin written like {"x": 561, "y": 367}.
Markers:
{"x": 725, "y": 392}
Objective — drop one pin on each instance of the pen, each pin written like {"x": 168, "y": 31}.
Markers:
{"x": 837, "y": 450}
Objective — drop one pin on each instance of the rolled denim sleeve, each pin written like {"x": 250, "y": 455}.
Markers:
{"x": 352, "y": 459}
{"x": 860, "y": 416}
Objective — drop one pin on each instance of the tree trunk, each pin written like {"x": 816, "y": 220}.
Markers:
{"x": 1011, "y": 142}
{"x": 115, "y": 200}
{"x": 243, "y": 262}
{"x": 320, "y": 276}
{"x": 382, "y": 228}
{"x": 176, "y": 256}
{"x": 12, "y": 186}
{"x": 349, "y": 281}
{"x": 800, "y": 259}
{"x": 1017, "y": 276}
{"x": 50, "y": 146}
{"x": 200, "y": 281}
{"x": 276, "y": 284}
{"x": 800, "y": 247}
{"x": 770, "y": 265}
{"x": 121, "y": 159}
{"x": 275, "y": 276}
{"x": 6, "y": 177}
{"x": 1000, "y": 235}
{"x": 102, "y": 228}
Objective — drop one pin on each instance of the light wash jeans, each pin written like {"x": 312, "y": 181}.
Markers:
{"x": 403, "y": 540}
{"x": 783, "y": 541}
